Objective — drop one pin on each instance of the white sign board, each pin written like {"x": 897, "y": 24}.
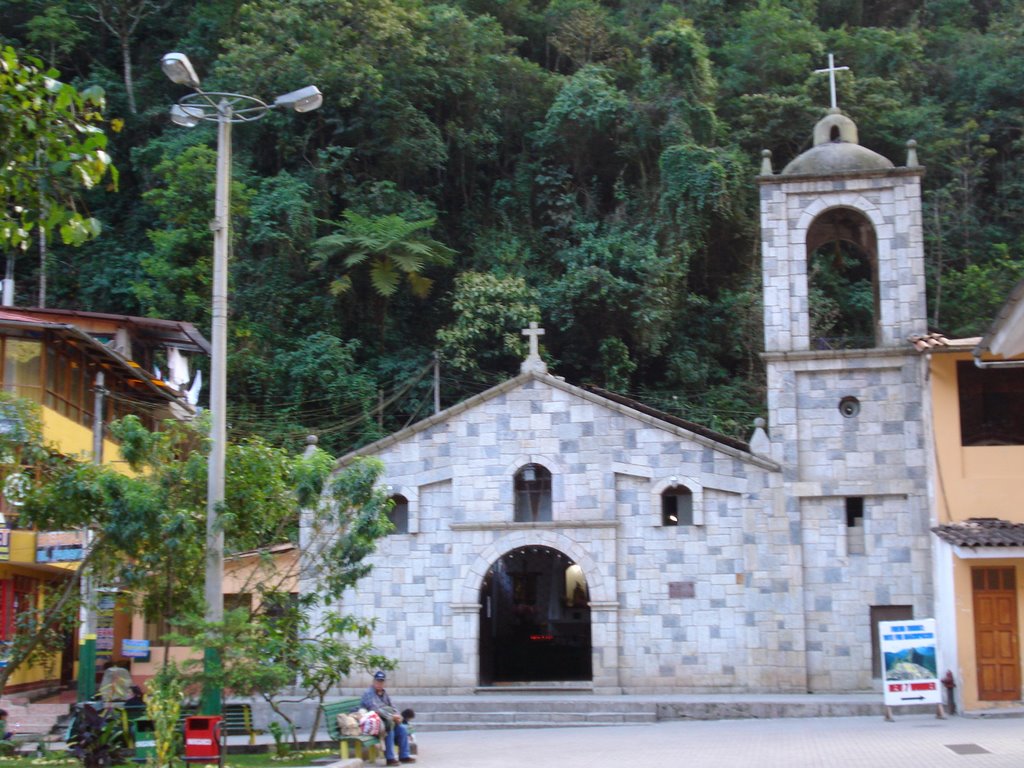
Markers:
{"x": 909, "y": 665}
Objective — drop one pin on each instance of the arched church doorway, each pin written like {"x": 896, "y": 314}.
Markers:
{"x": 534, "y": 619}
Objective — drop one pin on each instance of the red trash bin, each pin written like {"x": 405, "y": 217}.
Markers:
{"x": 202, "y": 739}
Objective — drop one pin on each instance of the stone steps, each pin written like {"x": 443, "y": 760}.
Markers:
{"x": 567, "y": 710}
{"x": 500, "y": 715}
{"x": 25, "y": 717}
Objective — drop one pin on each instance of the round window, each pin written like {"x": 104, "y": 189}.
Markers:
{"x": 849, "y": 407}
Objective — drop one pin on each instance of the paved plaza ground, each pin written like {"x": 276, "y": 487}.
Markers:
{"x": 834, "y": 742}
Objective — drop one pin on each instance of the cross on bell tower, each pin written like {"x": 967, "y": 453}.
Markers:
{"x": 533, "y": 361}
{"x": 832, "y": 69}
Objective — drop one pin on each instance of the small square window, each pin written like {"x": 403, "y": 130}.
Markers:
{"x": 855, "y": 526}
{"x": 991, "y": 405}
{"x": 677, "y": 506}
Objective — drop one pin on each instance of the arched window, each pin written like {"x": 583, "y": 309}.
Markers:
{"x": 399, "y": 514}
{"x": 532, "y": 487}
{"x": 677, "y": 506}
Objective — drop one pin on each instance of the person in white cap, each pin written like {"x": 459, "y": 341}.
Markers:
{"x": 376, "y": 699}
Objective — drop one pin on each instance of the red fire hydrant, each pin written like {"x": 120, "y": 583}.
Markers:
{"x": 950, "y": 685}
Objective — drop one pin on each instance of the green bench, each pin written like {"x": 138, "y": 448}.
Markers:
{"x": 363, "y": 746}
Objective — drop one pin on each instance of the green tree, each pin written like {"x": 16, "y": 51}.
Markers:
{"x": 680, "y": 61}
{"x": 39, "y": 627}
{"x": 491, "y": 313}
{"x": 315, "y": 383}
{"x": 389, "y": 246}
{"x": 306, "y": 637}
{"x": 147, "y": 531}
{"x": 362, "y": 37}
{"x": 615, "y": 283}
{"x": 52, "y": 148}
{"x": 976, "y": 293}
{"x": 583, "y": 131}
{"x": 55, "y": 32}
{"x": 177, "y": 269}
{"x": 122, "y": 19}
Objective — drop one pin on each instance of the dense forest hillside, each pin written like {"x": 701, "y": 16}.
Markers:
{"x": 480, "y": 164}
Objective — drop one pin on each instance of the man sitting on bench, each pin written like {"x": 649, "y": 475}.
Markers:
{"x": 376, "y": 699}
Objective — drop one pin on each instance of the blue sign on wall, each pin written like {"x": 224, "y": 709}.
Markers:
{"x": 135, "y": 649}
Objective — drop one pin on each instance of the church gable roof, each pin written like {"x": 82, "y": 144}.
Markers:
{"x": 609, "y": 400}
{"x": 669, "y": 418}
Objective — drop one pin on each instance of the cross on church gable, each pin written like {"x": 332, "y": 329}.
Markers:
{"x": 832, "y": 69}
{"x": 534, "y": 333}
{"x": 533, "y": 361}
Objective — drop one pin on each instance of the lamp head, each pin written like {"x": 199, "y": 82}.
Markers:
{"x": 179, "y": 69}
{"x": 303, "y": 100}
{"x": 182, "y": 116}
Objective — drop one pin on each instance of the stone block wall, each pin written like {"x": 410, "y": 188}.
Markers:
{"x": 892, "y": 203}
{"x": 672, "y": 608}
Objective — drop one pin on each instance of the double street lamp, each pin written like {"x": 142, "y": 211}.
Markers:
{"x": 224, "y": 109}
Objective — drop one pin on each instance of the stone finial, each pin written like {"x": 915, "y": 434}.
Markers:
{"x": 533, "y": 361}
{"x": 311, "y": 441}
{"x": 911, "y": 154}
{"x": 766, "y": 162}
{"x": 760, "y": 443}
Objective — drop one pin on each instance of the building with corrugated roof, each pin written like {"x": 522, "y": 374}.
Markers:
{"x": 71, "y": 364}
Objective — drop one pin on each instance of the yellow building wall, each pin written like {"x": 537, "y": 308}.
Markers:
{"x": 973, "y": 481}
{"x": 75, "y": 440}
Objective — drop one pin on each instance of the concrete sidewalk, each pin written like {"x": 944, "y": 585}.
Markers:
{"x": 832, "y": 742}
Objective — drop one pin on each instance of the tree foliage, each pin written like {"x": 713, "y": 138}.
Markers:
{"x": 303, "y": 646}
{"x": 52, "y": 148}
{"x": 594, "y": 158}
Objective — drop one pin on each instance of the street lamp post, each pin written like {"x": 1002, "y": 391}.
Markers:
{"x": 224, "y": 109}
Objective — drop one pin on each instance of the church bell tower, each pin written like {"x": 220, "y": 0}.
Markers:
{"x": 844, "y": 287}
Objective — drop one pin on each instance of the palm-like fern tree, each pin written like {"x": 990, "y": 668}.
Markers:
{"x": 389, "y": 245}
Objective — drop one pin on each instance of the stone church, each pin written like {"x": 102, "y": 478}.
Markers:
{"x": 553, "y": 535}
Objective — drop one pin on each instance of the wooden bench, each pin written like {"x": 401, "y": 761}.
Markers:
{"x": 364, "y": 746}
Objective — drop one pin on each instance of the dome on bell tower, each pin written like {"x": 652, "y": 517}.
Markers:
{"x": 836, "y": 150}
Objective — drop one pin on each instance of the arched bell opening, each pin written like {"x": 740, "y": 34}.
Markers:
{"x": 842, "y": 281}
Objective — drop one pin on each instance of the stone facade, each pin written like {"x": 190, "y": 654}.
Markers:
{"x": 710, "y": 607}
{"x": 792, "y": 547}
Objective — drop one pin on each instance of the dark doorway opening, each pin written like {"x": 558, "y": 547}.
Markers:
{"x": 534, "y": 619}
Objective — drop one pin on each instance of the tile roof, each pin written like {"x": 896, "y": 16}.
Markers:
{"x": 982, "y": 532}
{"x": 932, "y": 342}
{"x": 924, "y": 341}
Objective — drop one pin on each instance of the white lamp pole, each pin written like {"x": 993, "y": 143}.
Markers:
{"x": 221, "y": 226}
{"x": 224, "y": 109}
